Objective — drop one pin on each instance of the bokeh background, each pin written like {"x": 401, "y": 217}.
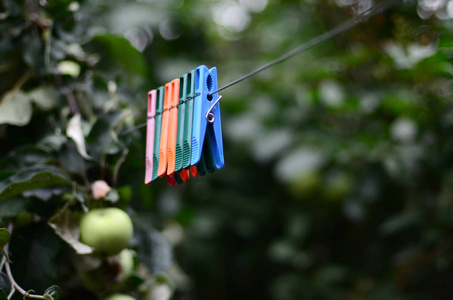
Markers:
{"x": 338, "y": 181}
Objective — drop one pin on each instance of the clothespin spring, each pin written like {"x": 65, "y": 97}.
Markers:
{"x": 209, "y": 115}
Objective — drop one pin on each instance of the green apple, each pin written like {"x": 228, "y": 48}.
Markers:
{"x": 126, "y": 259}
{"x": 107, "y": 230}
{"x": 119, "y": 297}
{"x": 305, "y": 185}
{"x": 338, "y": 185}
{"x": 111, "y": 274}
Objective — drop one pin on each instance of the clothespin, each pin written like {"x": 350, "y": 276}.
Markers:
{"x": 163, "y": 149}
{"x": 173, "y": 126}
{"x": 208, "y": 155}
{"x": 194, "y": 172}
{"x": 184, "y": 136}
{"x": 188, "y": 121}
{"x": 207, "y": 106}
{"x": 206, "y": 164}
{"x": 171, "y": 180}
{"x": 181, "y": 117}
{"x": 150, "y": 126}
{"x": 160, "y": 94}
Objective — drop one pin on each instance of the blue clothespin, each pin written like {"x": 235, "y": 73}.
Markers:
{"x": 206, "y": 107}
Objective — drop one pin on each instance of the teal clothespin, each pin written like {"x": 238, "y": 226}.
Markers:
{"x": 158, "y": 126}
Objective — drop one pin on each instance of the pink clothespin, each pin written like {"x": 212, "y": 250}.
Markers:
{"x": 150, "y": 126}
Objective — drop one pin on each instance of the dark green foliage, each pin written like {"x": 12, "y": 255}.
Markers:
{"x": 338, "y": 181}
{"x": 34, "y": 251}
{"x": 31, "y": 178}
{"x": 3, "y": 295}
{"x": 152, "y": 248}
{"x": 5, "y": 236}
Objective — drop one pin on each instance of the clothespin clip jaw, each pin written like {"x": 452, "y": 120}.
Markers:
{"x": 184, "y": 134}
{"x": 181, "y": 123}
{"x": 214, "y": 122}
{"x": 188, "y": 120}
{"x": 150, "y": 129}
{"x": 159, "y": 107}
{"x": 205, "y": 103}
{"x": 173, "y": 126}
{"x": 163, "y": 149}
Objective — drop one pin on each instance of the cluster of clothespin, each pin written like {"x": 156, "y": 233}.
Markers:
{"x": 184, "y": 130}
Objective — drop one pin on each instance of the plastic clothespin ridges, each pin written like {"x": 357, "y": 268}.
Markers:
{"x": 173, "y": 126}
{"x": 206, "y": 81}
{"x": 160, "y": 95}
{"x": 180, "y": 139}
{"x": 150, "y": 129}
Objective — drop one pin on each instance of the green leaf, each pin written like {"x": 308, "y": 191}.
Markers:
{"x": 112, "y": 196}
{"x": 3, "y": 295}
{"x": 36, "y": 249}
{"x": 12, "y": 7}
{"x": 4, "y": 175}
{"x": 153, "y": 250}
{"x": 400, "y": 222}
{"x": 46, "y": 193}
{"x": 70, "y": 158}
{"x": 43, "y": 97}
{"x": 67, "y": 67}
{"x": 118, "y": 55}
{"x": 53, "y": 293}
{"x": 53, "y": 142}
{"x": 75, "y": 132}
{"x": 5, "y": 236}
{"x": 100, "y": 136}
{"x": 27, "y": 155}
{"x": 67, "y": 228}
{"x": 32, "y": 178}
{"x": 15, "y": 109}
{"x": 33, "y": 48}
{"x": 13, "y": 207}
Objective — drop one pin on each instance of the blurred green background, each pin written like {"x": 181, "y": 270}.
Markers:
{"x": 338, "y": 181}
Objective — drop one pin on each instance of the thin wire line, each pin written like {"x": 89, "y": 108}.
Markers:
{"x": 315, "y": 41}
{"x": 157, "y": 114}
{"x": 133, "y": 129}
{"x": 360, "y": 18}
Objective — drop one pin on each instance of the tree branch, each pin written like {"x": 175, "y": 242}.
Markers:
{"x": 14, "y": 285}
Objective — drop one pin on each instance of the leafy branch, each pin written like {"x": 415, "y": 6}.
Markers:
{"x": 52, "y": 293}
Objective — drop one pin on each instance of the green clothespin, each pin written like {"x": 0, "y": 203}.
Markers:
{"x": 178, "y": 178}
{"x": 181, "y": 124}
{"x": 201, "y": 168}
{"x": 158, "y": 127}
{"x": 190, "y": 95}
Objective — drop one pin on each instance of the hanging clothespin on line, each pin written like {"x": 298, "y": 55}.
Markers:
{"x": 184, "y": 130}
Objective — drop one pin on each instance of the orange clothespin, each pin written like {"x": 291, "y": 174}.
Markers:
{"x": 173, "y": 126}
{"x": 163, "y": 151}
